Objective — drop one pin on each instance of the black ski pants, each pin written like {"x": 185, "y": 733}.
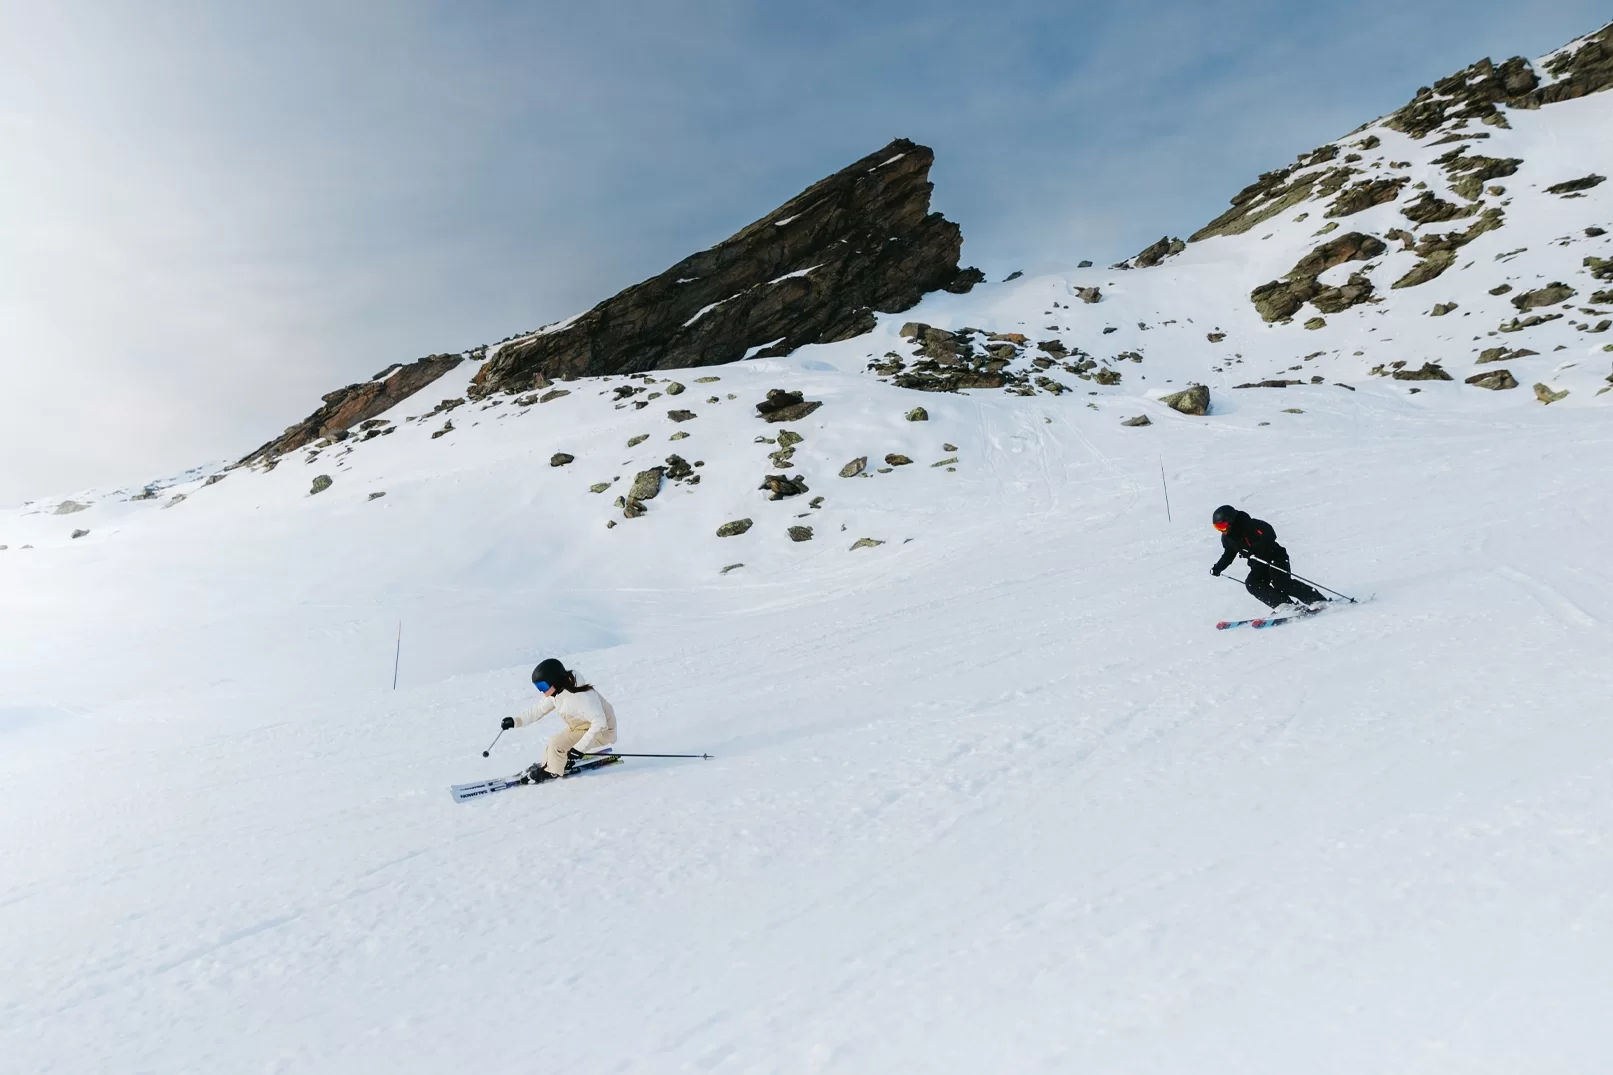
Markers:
{"x": 1272, "y": 586}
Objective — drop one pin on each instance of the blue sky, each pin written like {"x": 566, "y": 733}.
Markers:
{"x": 215, "y": 212}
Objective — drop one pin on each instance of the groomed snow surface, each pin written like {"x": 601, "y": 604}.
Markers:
{"x": 993, "y": 796}
{"x": 997, "y": 799}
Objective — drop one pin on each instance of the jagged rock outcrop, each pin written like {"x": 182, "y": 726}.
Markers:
{"x": 815, "y": 270}
{"x": 1150, "y": 256}
{"x": 347, "y": 407}
{"x": 1282, "y": 299}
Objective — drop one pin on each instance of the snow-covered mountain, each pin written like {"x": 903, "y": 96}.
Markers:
{"x": 989, "y": 792}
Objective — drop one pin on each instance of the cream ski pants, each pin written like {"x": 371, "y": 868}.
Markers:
{"x": 554, "y": 759}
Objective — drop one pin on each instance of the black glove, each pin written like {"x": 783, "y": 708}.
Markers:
{"x": 509, "y": 722}
{"x": 575, "y": 755}
{"x": 1216, "y": 570}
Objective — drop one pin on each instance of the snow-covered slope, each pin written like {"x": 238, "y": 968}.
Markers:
{"x": 991, "y": 795}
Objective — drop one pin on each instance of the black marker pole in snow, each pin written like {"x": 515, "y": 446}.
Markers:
{"x": 1165, "y": 487}
{"x": 1301, "y": 578}
{"x": 397, "y": 656}
{"x": 494, "y": 743}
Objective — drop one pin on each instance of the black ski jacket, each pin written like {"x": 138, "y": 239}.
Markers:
{"x": 1248, "y": 536}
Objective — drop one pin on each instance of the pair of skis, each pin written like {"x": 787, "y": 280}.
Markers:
{"x": 483, "y": 788}
{"x": 1260, "y": 622}
{"x": 1277, "y": 619}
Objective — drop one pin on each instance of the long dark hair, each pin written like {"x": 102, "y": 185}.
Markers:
{"x": 571, "y": 685}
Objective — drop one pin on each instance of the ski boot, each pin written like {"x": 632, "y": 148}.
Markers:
{"x": 537, "y": 774}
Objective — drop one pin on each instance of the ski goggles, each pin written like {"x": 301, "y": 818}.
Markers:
{"x": 542, "y": 686}
{"x": 1220, "y": 526}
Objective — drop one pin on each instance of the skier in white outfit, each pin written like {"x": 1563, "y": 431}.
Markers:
{"x": 590, "y": 720}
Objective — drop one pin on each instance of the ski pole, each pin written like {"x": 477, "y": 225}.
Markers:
{"x": 494, "y": 743}
{"x": 613, "y": 754}
{"x": 1302, "y": 578}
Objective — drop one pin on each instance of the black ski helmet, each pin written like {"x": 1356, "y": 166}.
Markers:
{"x": 552, "y": 672}
{"x": 1223, "y": 515}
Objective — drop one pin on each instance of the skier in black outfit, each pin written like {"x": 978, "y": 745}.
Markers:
{"x": 1256, "y": 539}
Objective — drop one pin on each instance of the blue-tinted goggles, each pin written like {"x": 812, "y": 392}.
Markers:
{"x": 541, "y": 685}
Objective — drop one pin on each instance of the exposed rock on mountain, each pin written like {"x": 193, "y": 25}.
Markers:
{"x": 1282, "y": 299}
{"x": 347, "y": 407}
{"x": 1158, "y": 252}
{"x": 815, "y": 270}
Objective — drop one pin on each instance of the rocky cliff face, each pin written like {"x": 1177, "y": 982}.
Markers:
{"x": 815, "y": 270}
{"x": 347, "y": 407}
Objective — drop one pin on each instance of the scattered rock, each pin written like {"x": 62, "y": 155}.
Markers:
{"x": 682, "y": 416}
{"x": 646, "y": 484}
{"x": 69, "y": 507}
{"x": 632, "y": 508}
{"x": 1601, "y": 268}
{"x": 1494, "y": 380}
{"x": 1364, "y": 195}
{"x": 1545, "y": 394}
{"x": 633, "y": 442}
{"x": 79, "y": 533}
{"x": 1215, "y": 337}
{"x": 554, "y": 394}
{"x": 599, "y": 487}
{"x": 214, "y": 479}
{"x": 679, "y": 435}
{"x": 1430, "y": 209}
{"x": 673, "y": 388}
{"x": 321, "y": 483}
{"x": 377, "y": 496}
{"x": 730, "y": 567}
{"x": 1140, "y": 420}
{"x": 1501, "y": 354}
{"x": 1442, "y": 308}
{"x": 1427, "y": 269}
{"x": 784, "y": 406}
{"x": 865, "y": 543}
{"x": 1516, "y": 325}
{"x": 1573, "y": 185}
{"x": 1550, "y": 295}
{"x": 855, "y": 467}
{"x": 918, "y": 414}
{"x": 1501, "y": 289}
{"x": 1089, "y": 294}
{"x": 1107, "y": 376}
{"x": 800, "y": 533}
{"x": 1430, "y": 371}
{"x": 949, "y": 447}
{"x": 945, "y": 462}
{"x": 780, "y": 486}
{"x": 895, "y": 460}
{"x": 1274, "y": 383}
{"x": 679, "y": 470}
{"x": 1316, "y": 323}
{"x": 1194, "y": 399}
{"x": 560, "y": 459}
{"x": 447, "y": 428}
{"x": 733, "y": 529}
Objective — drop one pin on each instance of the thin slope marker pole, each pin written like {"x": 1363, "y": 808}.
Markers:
{"x": 397, "y": 656}
{"x": 1166, "y": 487}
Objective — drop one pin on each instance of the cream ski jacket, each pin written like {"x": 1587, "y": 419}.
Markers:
{"x": 583, "y": 711}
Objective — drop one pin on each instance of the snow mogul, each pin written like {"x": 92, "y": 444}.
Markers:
{"x": 1255, "y": 540}
{"x": 590, "y": 720}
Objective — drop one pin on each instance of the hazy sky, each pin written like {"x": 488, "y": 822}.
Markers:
{"x": 213, "y": 213}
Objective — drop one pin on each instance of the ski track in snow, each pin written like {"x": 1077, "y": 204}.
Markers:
{"x": 993, "y": 796}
